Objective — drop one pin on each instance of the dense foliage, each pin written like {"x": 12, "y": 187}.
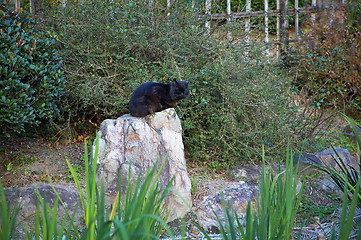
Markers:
{"x": 237, "y": 99}
{"x": 330, "y": 63}
{"x": 110, "y": 48}
{"x": 237, "y": 106}
{"x": 30, "y": 76}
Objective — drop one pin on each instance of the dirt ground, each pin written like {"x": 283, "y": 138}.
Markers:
{"x": 29, "y": 161}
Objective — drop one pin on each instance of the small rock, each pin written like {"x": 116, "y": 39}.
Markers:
{"x": 306, "y": 163}
{"x": 329, "y": 186}
{"x": 210, "y": 187}
{"x": 246, "y": 173}
{"x": 237, "y": 197}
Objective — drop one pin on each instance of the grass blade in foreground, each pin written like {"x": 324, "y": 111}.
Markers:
{"x": 144, "y": 210}
{"x": 346, "y": 177}
{"x": 348, "y": 213}
{"x": 7, "y": 216}
{"x": 277, "y": 205}
{"x": 140, "y": 215}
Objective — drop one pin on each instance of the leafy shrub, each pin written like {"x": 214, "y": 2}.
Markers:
{"x": 236, "y": 107}
{"x": 330, "y": 64}
{"x": 30, "y": 76}
{"x": 238, "y": 100}
{"x": 110, "y": 48}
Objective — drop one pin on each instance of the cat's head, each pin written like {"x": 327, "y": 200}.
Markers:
{"x": 179, "y": 89}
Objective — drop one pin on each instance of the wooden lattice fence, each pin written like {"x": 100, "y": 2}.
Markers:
{"x": 282, "y": 14}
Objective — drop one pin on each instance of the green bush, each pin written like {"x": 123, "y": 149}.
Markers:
{"x": 236, "y": 106}
{"x": 330, "y": 64}
{"x": 110, "y": 48}
{"x": 238, "y": 98}
{"x": 30, "y": 76}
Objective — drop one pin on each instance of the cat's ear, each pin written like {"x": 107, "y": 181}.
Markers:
{"x": 187, "y": 81}
{"x": 175, "y": 82}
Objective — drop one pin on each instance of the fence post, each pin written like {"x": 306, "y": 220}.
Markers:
{"x": 278, "y": 29}
{"x": 248, "y": 24}
{"x": 17, "y": 5}
{"x": 284, "y": 34}
{"x": 296, "y": 20}
{"x": 313, "y": 16}
{"x": 229, "y": 18}
{"x": 208, "y": 14}
{"x": 168, "y": 6}
{"x": 266, "y": 25}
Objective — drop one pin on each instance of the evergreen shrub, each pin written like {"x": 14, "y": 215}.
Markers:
{"x": 238, "y": 99}
{"x": 237, "y": 106}
{"x": 111, "y": 47}
{"x": 31, "y": 79}
{"x": 330, "y": 63}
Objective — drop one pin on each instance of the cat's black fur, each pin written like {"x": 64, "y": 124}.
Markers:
{"x": 151, "y": 97}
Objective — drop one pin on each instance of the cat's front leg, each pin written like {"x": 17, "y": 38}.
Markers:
{"x": 157, "y": 106}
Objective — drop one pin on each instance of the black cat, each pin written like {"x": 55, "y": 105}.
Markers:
{"x": 151, "y": 97}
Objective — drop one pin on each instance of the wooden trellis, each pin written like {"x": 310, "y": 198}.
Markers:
{"x": 282, "y": 13}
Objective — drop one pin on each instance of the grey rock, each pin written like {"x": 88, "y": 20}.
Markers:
{"x": 27, "y": 199}
{"x": 306, "y": 163}
{"x": 238, "y": 197}
{"x": 329, "y": 186}
{"x": 329, "y": 155}
{"x": 246, "y": 173}
{"x": 139, "y": 142}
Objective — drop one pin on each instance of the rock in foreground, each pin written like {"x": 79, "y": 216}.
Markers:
{"x": 27, "y": 199}
{"x": 235, "y": 198}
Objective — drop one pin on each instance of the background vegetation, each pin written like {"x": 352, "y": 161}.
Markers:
{"x": 329, "y": 60}
{"x": 240, "y": 99}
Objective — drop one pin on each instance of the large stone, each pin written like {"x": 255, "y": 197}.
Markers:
{"x": 329, "y": 157}
{"x": 139, "y": 143}
{"x": 236, "y": 197}
{"x": 27, "y": 199}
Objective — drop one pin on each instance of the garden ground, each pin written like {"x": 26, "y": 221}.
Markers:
{"x": 29, "y": 161}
